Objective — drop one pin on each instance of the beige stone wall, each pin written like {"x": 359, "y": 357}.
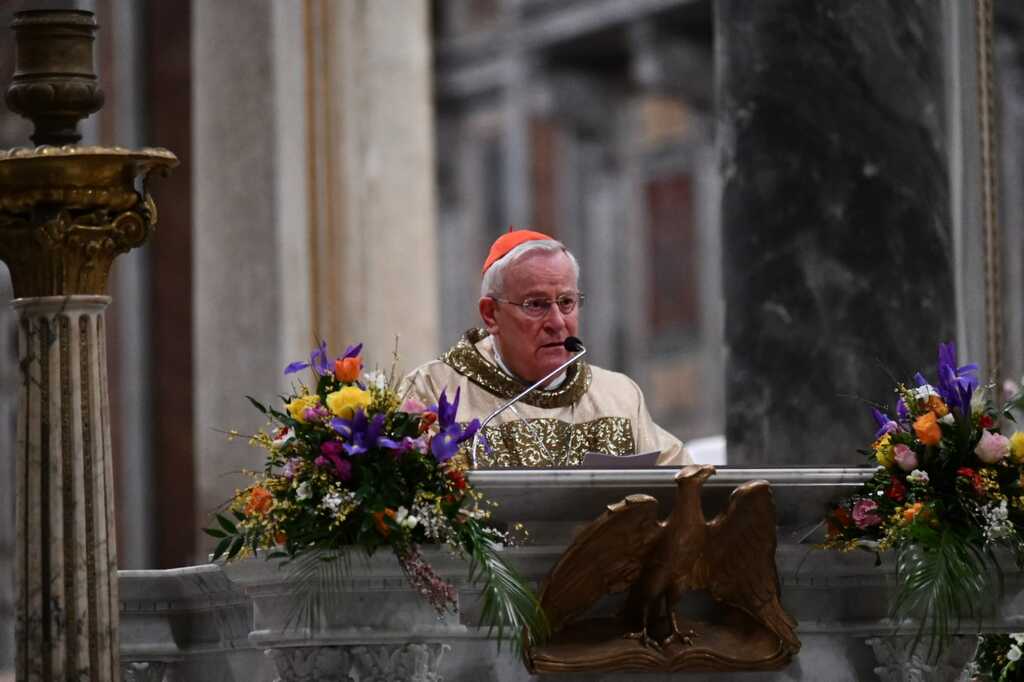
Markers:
{"x": 314, "y": 202}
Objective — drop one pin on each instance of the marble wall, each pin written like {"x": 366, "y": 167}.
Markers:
{"x": 836, "y": 224}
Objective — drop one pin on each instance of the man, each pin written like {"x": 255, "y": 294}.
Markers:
{"x": 530, "y": 303}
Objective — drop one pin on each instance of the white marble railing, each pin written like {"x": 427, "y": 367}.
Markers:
{"x": 216, "y": 622}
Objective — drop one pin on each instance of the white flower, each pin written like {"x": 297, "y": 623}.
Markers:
{"x": 978, "y": 400}
{"x": 404, "y": 519}
{"x": 948, "y": 419}
{"x": 1018, "y": 637}
{"x": 303, "y": 492}
{"x": 331, "y": 502}
{"x": 1014, "y": 653}
{"x": 997, "y": 521}
{"x": 922, "y": 392}
{"x": 918, "y": 476}
{"x": 377, "y": 379}
{"x": 284, "y": 438}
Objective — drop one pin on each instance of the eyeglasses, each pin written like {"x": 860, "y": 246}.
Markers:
{"x": 539, "y": 307}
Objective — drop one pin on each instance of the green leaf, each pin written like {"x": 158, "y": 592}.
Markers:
{"x": 239, "y": 515}
{"x": 221, "y": 548}
{"x": 213, "y": 532}
{"x": 227, "y": 525}
{"x": 259, "y": 406}
{"x": 939, "y": 583}
{"x": 236, "y": 547}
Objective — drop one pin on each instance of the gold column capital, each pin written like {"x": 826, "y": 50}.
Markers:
{"x": 67, "y": 212}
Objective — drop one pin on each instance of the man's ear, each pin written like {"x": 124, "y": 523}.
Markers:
{"x": 488, "y": 307}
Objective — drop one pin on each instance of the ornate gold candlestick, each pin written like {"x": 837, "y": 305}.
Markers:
{"x": 65, "y": 213}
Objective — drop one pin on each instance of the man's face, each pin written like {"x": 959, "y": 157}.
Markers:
{"x": 532, "y": 347}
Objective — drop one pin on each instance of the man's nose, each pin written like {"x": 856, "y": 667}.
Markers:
{"x": 555, "y": 318}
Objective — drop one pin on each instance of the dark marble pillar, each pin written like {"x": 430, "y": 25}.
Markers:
{"x": 838, "y": 258}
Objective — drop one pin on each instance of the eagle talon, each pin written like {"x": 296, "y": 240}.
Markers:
{"x": 643, "y": 638}
{"x": 684, "y": 639}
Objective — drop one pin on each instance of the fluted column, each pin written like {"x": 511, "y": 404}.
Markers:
{"x": 67, "y": 557}
{"x": 66, "y": 212}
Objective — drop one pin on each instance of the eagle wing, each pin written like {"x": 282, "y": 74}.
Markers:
{"x": 607, "y": 556}
{"x": 738, "y": 565}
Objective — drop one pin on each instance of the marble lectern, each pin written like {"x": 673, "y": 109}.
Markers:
{"x": 216, "y": 622}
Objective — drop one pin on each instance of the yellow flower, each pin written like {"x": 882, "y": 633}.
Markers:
{"x": 297, "y": 406}
{"x": 883, "y": 451}
{"x": 344, "y": 402}
{"x": 1017, "y": 447}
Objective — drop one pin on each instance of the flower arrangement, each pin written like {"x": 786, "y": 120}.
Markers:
{"x": 999, "y": 658}
{"x": 351, "y": 464}
{"x": 948, "y": 490}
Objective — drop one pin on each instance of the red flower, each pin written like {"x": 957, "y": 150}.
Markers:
{"x": 842, "y": 516}
{"x": 986, "y": 422}
{"x": 965, "y": 471}
{"x": 427, "y": 420}
{"x": 457, "y": 478}
{"x": 896, "y": 491}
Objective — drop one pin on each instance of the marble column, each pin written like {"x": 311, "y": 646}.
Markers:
{"x": 67, "y": 556}
{"x": 314, "y": 203}
{"x": 837, "y": 250}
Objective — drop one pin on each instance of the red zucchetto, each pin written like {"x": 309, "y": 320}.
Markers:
{"x": 508, "y": 241}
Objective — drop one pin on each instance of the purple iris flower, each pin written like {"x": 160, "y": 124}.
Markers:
{"x": 902, "y": 413}
{"x": 362, "y": 433}
{"x": 446, "y": 411}
{"x": 352, "y": 351}
{"x": 446, "y": 443}
{"x": 885, "y": 423}
{"x": 956, "y": 384}
{"x": 317, "y": 360}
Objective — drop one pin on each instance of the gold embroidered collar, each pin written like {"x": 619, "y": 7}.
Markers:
{"x": 466, "y": 359}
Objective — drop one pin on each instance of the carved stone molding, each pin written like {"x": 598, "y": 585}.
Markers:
{"x": 419, "y": 662}
{"x": 900, "y": 661}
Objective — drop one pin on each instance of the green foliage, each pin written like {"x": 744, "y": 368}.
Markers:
{"x": 507, "y": 603}
{"x": 942, "y": 578}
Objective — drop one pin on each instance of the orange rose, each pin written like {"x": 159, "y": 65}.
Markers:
{"x": 911, "y": 512}
{"x": 936, "y": 405}
{"x": 927, "y": 429}
{"x": 259, "y": 501}
{"x": 378, "y": 518}
{"x": 347, "y": 369}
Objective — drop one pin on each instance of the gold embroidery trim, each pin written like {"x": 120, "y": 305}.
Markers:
{"x": 465, "y": 359}
{"x": 553, "y": 442}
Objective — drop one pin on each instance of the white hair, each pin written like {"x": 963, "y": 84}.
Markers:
{"x": 493, "y": 283}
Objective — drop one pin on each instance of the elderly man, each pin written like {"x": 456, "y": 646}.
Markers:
{"x": 530, "y": 304}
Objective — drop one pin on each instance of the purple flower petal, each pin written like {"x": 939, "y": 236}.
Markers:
{"x": 318, "y": 359}
{"x": 354, "y": 449}
{"x": 296, "y": 367}
{"x": 353, "y": 351}
{"x": 445, "y": 444}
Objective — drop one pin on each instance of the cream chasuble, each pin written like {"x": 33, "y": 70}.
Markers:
{"x": 591, "y": 410}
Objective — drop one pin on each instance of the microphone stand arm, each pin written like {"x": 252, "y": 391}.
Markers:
{"x": 540, "y": 382}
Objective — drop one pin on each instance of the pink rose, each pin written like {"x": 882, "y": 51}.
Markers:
{"x": 865, "y": 514}
{"x": 992, "y": 447}
{"x": 905, "y": 457}
{"x": 413, "y": 406}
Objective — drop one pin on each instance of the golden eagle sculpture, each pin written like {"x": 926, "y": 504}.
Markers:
{"x": 658, "y": 563}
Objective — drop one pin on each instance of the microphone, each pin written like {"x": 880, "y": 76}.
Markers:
{"x": 571, "y": 344}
